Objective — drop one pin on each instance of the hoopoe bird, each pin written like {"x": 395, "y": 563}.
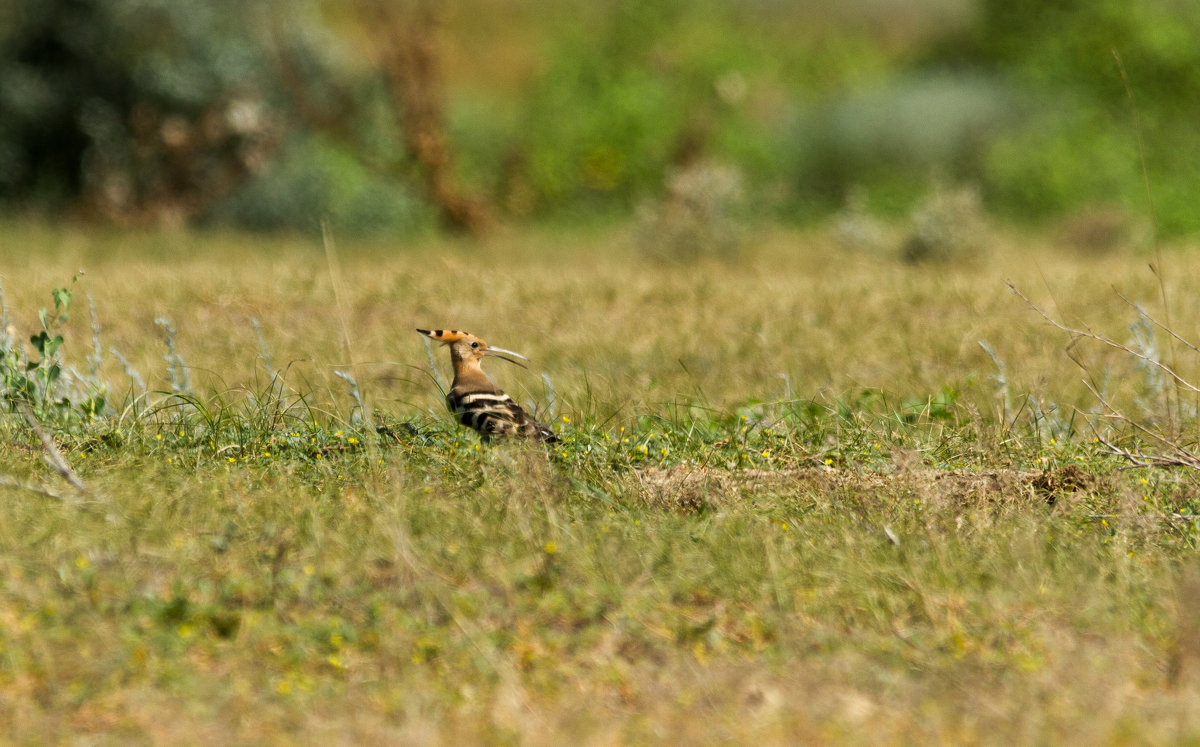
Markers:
{"x": 475, "y": 401}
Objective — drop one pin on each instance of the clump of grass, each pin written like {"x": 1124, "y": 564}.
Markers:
{"x": 177, "y": 371}
{"x": 701, "y": 214}
{"x": 949, "y": 224}
{"x": 1097, "y": 230}
{"x": 1150, "y": 425}
{"x": 856, "y": 229}
{"x": 39, "y": 380}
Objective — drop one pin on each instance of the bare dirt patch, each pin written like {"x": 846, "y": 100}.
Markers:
{"x": 693, "y": 488}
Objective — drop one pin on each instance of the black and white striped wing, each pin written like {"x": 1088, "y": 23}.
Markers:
{"x": 496, "y": 414}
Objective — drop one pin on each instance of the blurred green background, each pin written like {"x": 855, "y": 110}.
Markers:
{"x": 403, "y": 118}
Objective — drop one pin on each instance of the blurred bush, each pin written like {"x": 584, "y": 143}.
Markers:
{"x": 312, "y": 180}
{"x": 1097, "y": 230}
{"x": 600, "y": 126}
{"x": 947, "y": 224}
{"x": 171, "y": 112}
{"x": 897, "y": 138}
{"x": 702, "y": 214}
{"x": 1075, "y": 143}
{"x": 856, "y": 229}
{"x": 129, "y": 107}
{"x": 1024, "y": 99}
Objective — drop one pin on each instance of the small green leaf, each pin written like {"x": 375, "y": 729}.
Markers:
{"x": 62, "y": 300}
{"x": 94, "y": 406}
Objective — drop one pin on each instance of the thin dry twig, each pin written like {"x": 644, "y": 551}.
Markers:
{"x": 1075, "y": 332}
{"x": 1182, "y": 340}
{"x": 51, "y": 455}
{"x": 8, "y": 481}
{"x": 1115, "y": 414}
{"x": 1142, "y": 459}
{"x": 1174, "y": 452}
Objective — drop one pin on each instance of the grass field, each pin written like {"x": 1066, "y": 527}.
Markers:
{"x": 794, "y": 499}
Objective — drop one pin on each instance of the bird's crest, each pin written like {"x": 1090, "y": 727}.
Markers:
{"x": 445, "y": 335}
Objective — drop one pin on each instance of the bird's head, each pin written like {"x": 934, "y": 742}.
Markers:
{"x": 468, "y": 348}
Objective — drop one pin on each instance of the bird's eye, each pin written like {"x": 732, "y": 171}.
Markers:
{"x": 474, "y": 344}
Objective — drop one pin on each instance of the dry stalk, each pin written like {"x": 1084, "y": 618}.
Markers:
{"x": 1185, "y": 342}
{"x": 8, "y": 481}
{"x": 1090, "y": 335}
{"x": 52, "y": 457}
{"x": 1171, "y": 451}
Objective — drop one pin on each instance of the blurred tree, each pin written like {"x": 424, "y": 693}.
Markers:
{"x": 405, "y": 40}
{"x": 405, "y": 80}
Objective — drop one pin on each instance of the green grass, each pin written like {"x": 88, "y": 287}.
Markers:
{"x": 883, "y": 544}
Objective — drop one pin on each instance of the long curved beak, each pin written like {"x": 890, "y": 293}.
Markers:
{"x": 503, "y": 354}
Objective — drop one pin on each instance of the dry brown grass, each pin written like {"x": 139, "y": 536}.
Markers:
{"x": 689, "y": 487}
{"x": 589, "y": 309}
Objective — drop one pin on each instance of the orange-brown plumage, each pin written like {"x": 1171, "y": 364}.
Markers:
{"x": 475, "y": 401}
